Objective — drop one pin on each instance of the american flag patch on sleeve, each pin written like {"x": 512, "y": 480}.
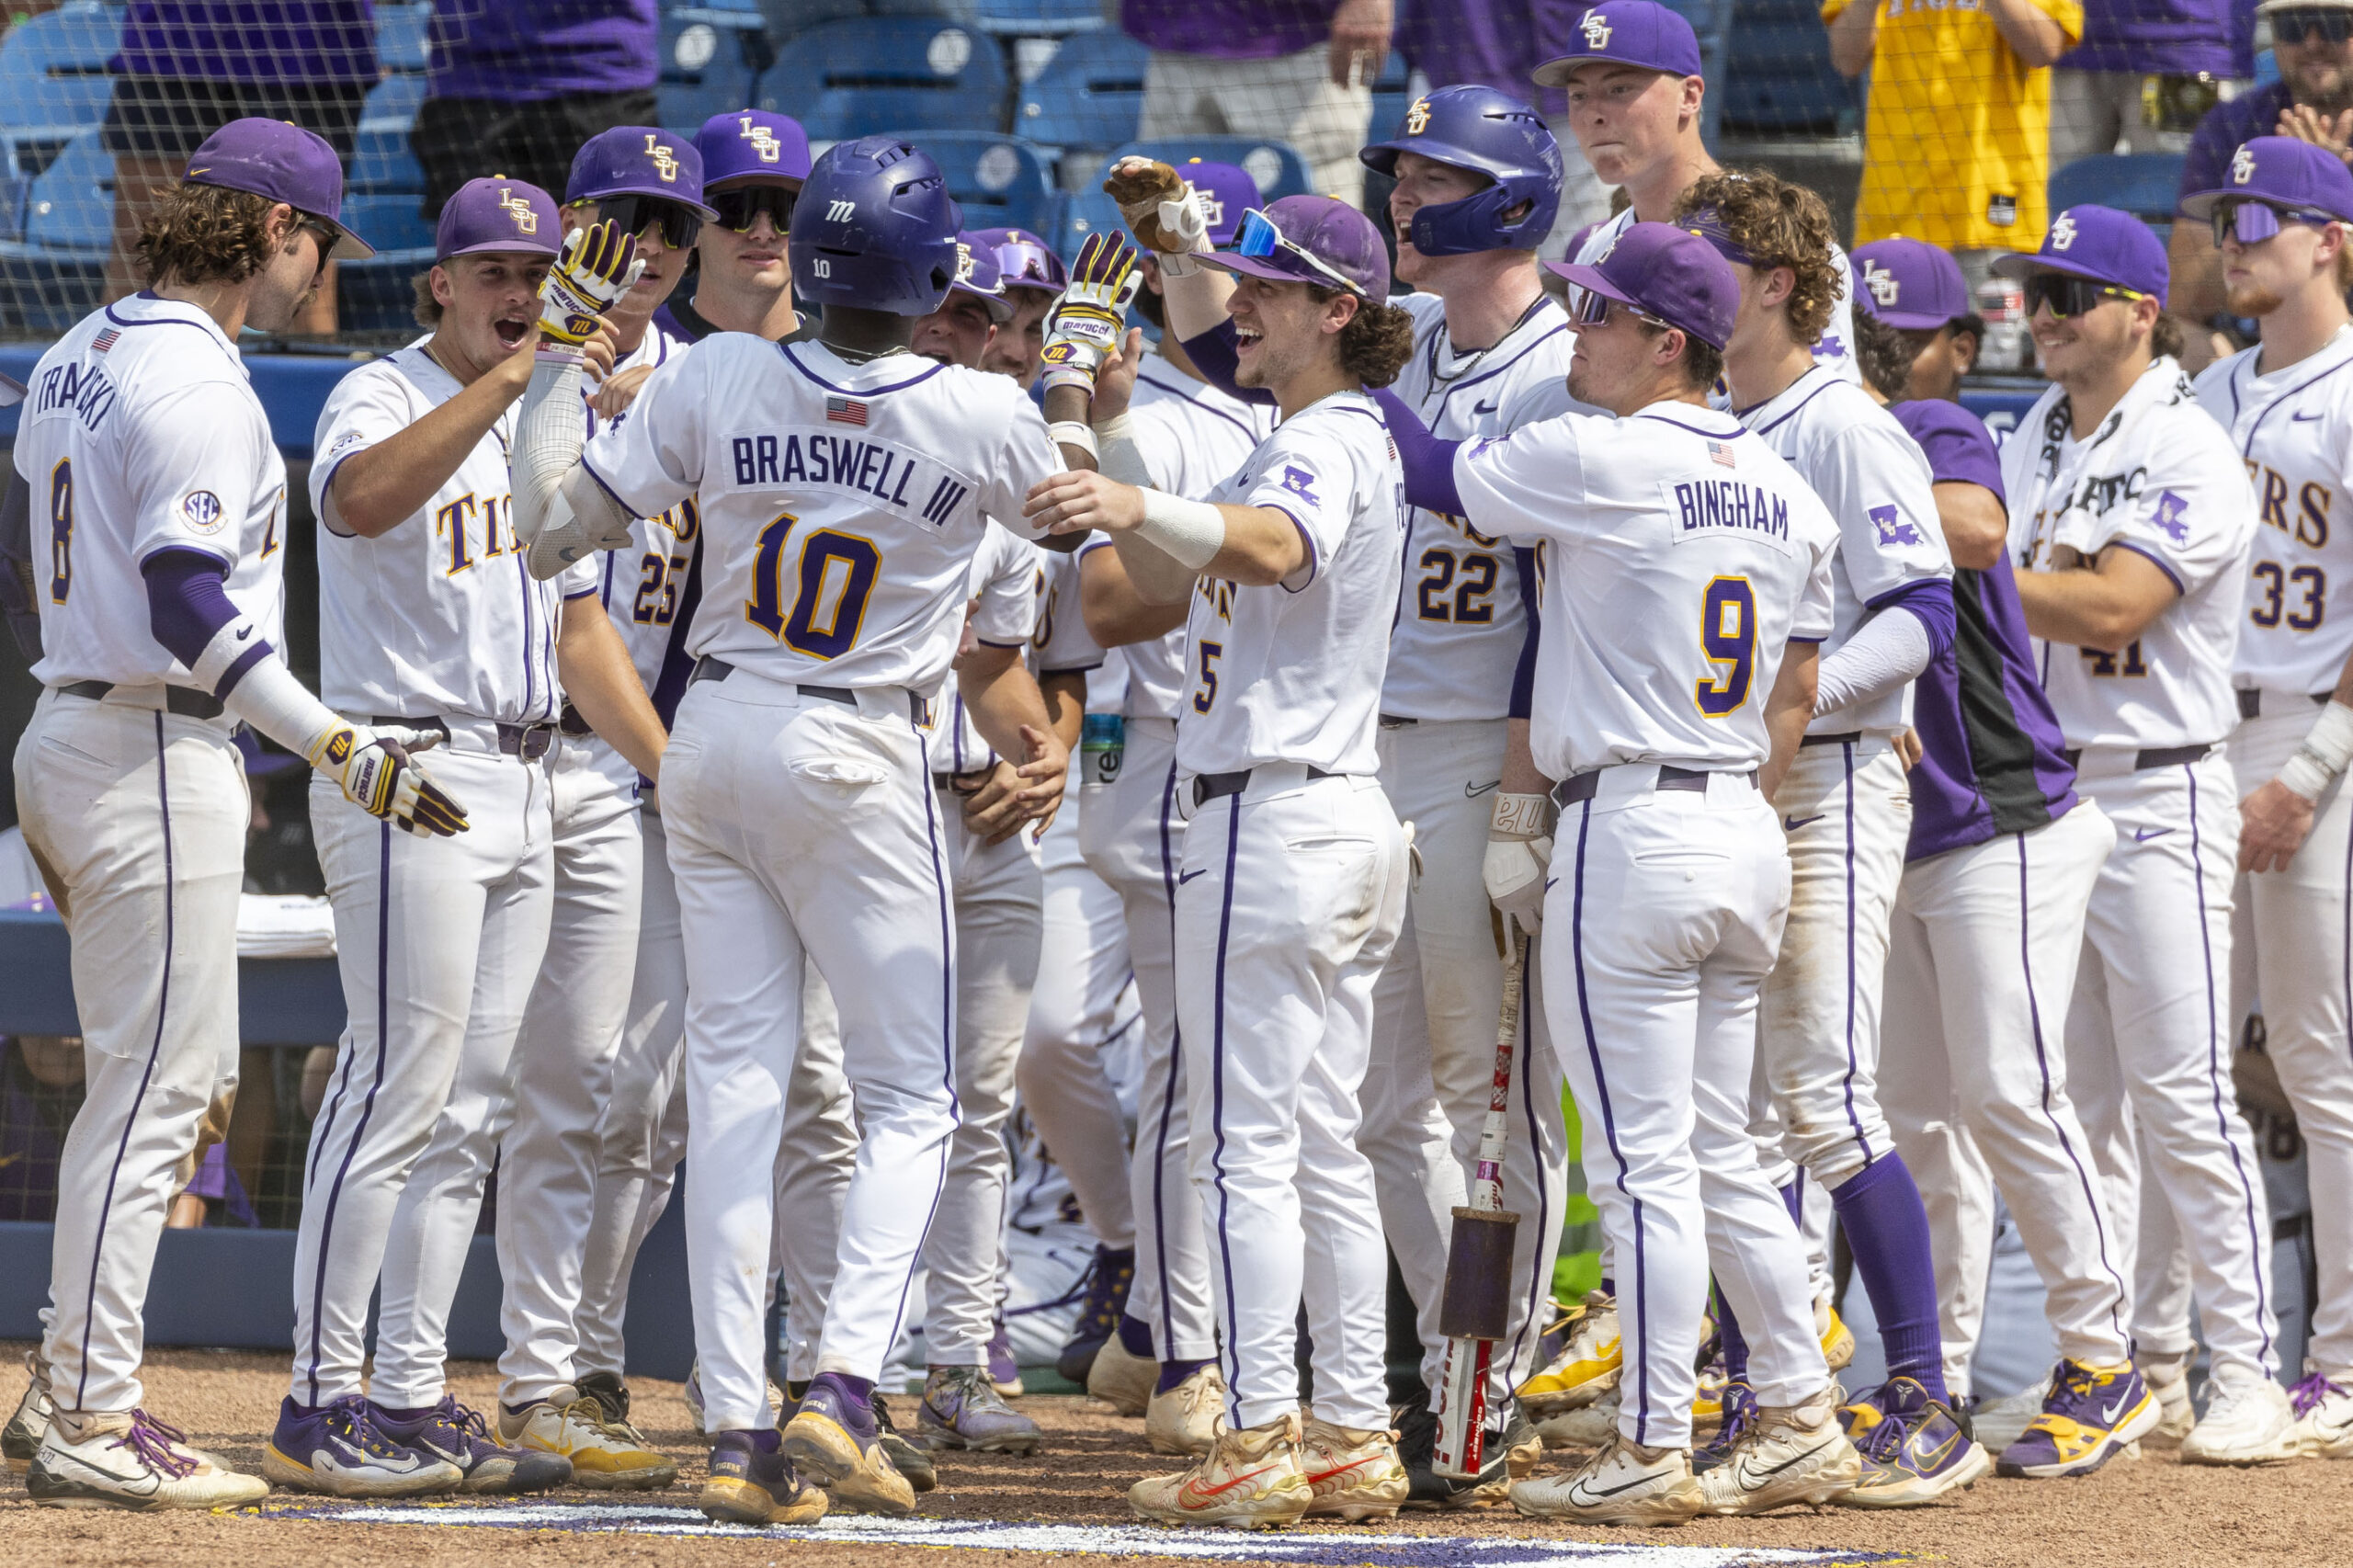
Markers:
{"x": 846, "y": 410}
{"x": 1719, "y": 452}
{"x": 104, "y": 340}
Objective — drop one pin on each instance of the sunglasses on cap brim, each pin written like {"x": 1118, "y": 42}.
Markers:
{"x": 2334, "y": 24}
{"x": 1259, "y": 239}
{"x": 2066, "y": 296}
{"x": 635, "y": 214}
{"x": 2251, "y": 222}
{"x": 739, "y": 208}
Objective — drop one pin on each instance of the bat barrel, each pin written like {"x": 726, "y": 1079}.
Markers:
{"x": 1477, "y": 1303}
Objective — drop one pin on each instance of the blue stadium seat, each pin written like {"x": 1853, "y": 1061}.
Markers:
{"x": 1391, "y": 99}
{"x": 393, "y": 100}
{"x": 382, "y": 162}
{"x": 402, "y": 31}
{"x": 1771, "y": 73}
{"x": 390, "y": 222}
{"x": 1037, "y": 19}
{"x": 375, "y": 295}
{"x": 2144, "y": 183}
{"x": 1082, "y": 213}
{"x": 709, "y": 57}
{"x": 52, "y": 276}
{"x": 874, "y": 73}
{"x": 53, "y": 81}
{"x": 1089, "y": 95}
{"x": 1277, "y": 167}
{"x": 1000, "y": 181}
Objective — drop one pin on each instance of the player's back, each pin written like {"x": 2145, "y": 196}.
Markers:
{"x": 141, "y": 432}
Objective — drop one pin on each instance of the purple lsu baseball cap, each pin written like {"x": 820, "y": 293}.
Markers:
{"x": 1910, "y": 284}
{"x": 1226, "y": 193}
{"x": 637, "y": 160}
{"x": 1024, "y": 260}
{"x": 285, "y": 163}
{"x": 752, "y": 144}
{"x": 2098, "y": 242}
{"x": 2282, "y": 172}
{"x": 498, "y": 214}
{"x": 1668, "y": 273}
{"x": 978, "y": 274}
{"x": 1626, "y": 32}
{"x": 1331, "y": 231}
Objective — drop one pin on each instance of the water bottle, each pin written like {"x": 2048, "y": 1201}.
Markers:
{"x": 1102, "y": 741}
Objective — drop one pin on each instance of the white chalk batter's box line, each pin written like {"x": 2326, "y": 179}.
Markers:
{"x": 1310, "y": 1550}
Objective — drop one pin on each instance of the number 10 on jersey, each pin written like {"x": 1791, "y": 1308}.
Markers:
{"x": 1728, "y": 637}
{"x": 835, "y": 579}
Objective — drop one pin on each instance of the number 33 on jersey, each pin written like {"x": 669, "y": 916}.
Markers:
{"x": 840, "y": 503}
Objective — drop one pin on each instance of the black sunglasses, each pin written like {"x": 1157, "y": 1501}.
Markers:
{"x": 635, "y": 214}
{"x": 740, "y": 208}
{"x": 2335, "y": 26}
{"x": 2068, "y": 296}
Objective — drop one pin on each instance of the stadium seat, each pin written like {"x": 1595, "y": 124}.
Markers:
{"x": 390, "y": 222}
{"x": 1772, "y": 75}
{"x": 393, "y": 100}
{"x": 402, "y": 36}
{"x": 1277, "y": 167}
{"x": 1082, "y": 213}
{"x": 51, "y": 277}
{"x": 1037, "y": 19}
{"x": 381, "y": 162}
{"x": 53, "y": 81}
{"x": 874, "y": 73}
{"x": 1089, "y": 95}
{"x": 2144, "y": 183}
{"x": 1391, "y": 98}
{"x": 710, "y": 56}
{"x": 1000, "y": 181}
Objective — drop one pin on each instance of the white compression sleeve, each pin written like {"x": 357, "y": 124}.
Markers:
{"x": 269, "y": 698}
{"x": 1117, "y": 456}
{"x": 1885, "y": 651}
{"x": 2325, "y": 753}
{"x": 548, "y": 434}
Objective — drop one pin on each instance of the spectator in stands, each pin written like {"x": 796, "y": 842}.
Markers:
{"x": 188, "y": 67}
{"x": 1300, "y": 72}
{"x": 2145, "y": 70}
{"x": 1499, "y": 44}
{"x": 1957, "y": 139}
{"x": 2312, "y": 101}
{"x": 513, "y": 87}
{"x": 1917, "y": 289}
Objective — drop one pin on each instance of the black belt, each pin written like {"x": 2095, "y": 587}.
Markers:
{"x": 2162, "y": 756}
{"x": 1391, "y": 721}
{"x": 528, "y": 742}
{"x": 1208, "y": 787}
{"x": 571, "y": 722}
{"x": 184, "y": 700}
{"x": 964, "y": 783}
{"x": 711, "y": 667}
{"x": 2251, "y": 702}
{"x": 1584, "y": 785}
{"x": 1843, "y": 738}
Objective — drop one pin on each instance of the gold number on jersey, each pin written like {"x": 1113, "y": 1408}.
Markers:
{"x": 835, "y": 576}
{"x": 61, "y": 531}
{"x": 1728, "y": 638}
{"x": 2276, "y": 582}
{"x": 1457, "y": 586}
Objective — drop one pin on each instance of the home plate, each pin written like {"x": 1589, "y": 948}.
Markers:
{"x": 1310, "y": 1548}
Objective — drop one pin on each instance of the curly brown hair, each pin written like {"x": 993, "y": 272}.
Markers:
{"x": 1780, "y": 224}
{"x": 205, "y": 233}
{"x": 1377, "y": 341}
{"x": 1884, "y": 356}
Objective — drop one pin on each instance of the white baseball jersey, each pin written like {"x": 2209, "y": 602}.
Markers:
{"x": 2158, "y": 477}
{"x": 639, "y": 586}
{"x": 1461, "y": 618}
{"x": 2294, "y": 427}
{"x": 1192, "y": 437}
{"x": 1290, "y": 671}
{"x": 1875, "y": 480}
{"x": 1003, "y": 598}
{"x": 1834, "y": 349}
{"x": 840, "y": 501}
{"x": 1677, "y": 555}
{"x": 438, "y": 615}
{"x": 140, "y": 433}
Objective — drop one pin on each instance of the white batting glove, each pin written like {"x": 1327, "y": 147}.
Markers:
{"x": 1519, "y": 852}
{"x": 1085, "y": 326}
{"x": 598, "y": 266}
{"x": 377, "y": 772}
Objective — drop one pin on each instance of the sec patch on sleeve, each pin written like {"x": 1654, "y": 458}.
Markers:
{"x": 203, "y": 511}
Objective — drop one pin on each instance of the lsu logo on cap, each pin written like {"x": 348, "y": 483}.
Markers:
{"x": 1597, "y": 30}
{"x": 2242, "y": 166}
{"x": 763, "y": 139}
{"x": 1417, "y": 118}
{"x": 526, "y": 220}
{"x": 664, "y": 164}
{"x": 963, "y": 262}
{"x": 1883, "y": 284}
{"x": 2063, "y": 233}
{"x": 201, "y": 510}
{"x": 1212, "y": 210}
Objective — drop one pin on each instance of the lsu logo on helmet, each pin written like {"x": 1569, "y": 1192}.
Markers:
{"x": 763, "y": 141}
{"x": 1417, "y": 118}
{"x": 526, "y": 220}
{"x": 665, "y": 164}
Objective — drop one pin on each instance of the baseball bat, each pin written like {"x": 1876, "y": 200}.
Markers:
{"x": 1476, "y": 1307}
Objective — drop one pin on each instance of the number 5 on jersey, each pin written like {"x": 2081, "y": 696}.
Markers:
{"x": 1728, "y": 637}
{"x": 832, "y": 581}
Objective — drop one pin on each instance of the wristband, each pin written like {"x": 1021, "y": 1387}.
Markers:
{"x": 1188, "y": 533}
{"x": 1179, "y": 264}
{"x": 2324, "y": 753}
{"x": 1520, "y": 816}
{"x": 1070, "y": 433}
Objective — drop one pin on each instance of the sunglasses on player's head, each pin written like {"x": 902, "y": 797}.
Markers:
{"x": 740, "y": 208}
{"x": 635, "y": 214}
{"x": 2065, "y": 296}
{"x": 2251, "y": 222}
{"x": 2334, "y": 24}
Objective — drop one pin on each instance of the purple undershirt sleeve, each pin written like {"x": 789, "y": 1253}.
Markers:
{"x": 1523, "y": 678}
{"x": 1931, "y": 602}
{"x": 1429, "y": 462}
{"x": 188, "y": 604}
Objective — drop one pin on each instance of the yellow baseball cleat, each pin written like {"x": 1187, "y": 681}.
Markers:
{"x": 1587, "y": 1366}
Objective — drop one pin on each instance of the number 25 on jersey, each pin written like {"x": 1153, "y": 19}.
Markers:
{"x": 832, "y": 578}
{"x": 1728, "y": 637}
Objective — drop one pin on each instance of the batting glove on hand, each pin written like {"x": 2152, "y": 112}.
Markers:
{"x": 1519, "y": 852}
{"x": 376, "y": 772}
{"x": 1160, "y": 205}
{"x": 1085, "y": 326}
{"x": 598, "y": 266}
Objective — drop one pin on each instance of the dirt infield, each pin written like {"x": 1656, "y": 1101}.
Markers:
{"x": 2154, "y": 1511}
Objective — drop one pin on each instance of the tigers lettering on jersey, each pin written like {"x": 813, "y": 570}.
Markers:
{"x": 877, "y": 469}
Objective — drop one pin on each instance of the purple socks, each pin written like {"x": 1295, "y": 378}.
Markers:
{"x": 1175, "y": 1373}
{"x": 1135, "y": 1336}
{"x": 1879, "y": 1209}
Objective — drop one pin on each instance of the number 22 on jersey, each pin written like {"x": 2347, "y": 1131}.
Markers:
{"x": 831, "y": 578}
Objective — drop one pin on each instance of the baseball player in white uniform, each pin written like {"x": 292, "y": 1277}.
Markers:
{"x": 1844, "y": 804}
{"x": 1684, "y": 589}
{"x": 430, "y": 618}
{"x": 150, "y": 460}
{"x": 2130, "y": 518}
{"x": 1293, "y": 883}
{"x": 843, "y": 487}
{"x": 2288, "y": 403}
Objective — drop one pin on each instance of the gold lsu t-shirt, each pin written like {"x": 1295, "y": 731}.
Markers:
{"x": 1957, "y": 138}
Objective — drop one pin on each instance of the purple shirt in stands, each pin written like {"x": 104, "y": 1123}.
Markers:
{"x": 1495, "y": 42}
{"x": 1992, "y": 759}
{"x": 2154, "y": 37}
{"x": 532, "y": 50}
{"x": 1227, "y": 30}
{"x": 2218, "y": 136}
{"x": 271, "y": 40}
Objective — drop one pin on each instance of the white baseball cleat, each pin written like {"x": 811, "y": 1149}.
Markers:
{"x": 1585, "y": 1426}
{"x": 2248, "y": 1421}
{"x": 20, "y": 1440}
{"x": 2169, "y": 1378}
{"x": 127, "y": 1459}
{"x": 2323, "y": 1417}
{"x": 1123, "y": 1380}
{"x": 1249, "y": 1480}
{"x": 1623, "y": 1483}
{"x": 606, "y": 1457}
{"x": 1795, "y": 1453}
{"x": 1354, "y": 1473}
{"x": 1187, "y": 1420}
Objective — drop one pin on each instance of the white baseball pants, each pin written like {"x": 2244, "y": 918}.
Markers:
{"x": 563, "y": 1067}
{"x": 1982, "y": 960}
{"x": 1137, "y": 846}
{"x": 438, "y": 941}
{"x": 2149, "y": 1041}
{"x": 138, "y": 819}
{"x": 1433, "y": 1063}
{"x": 1662, "y": 920}
{"x": 801, "y": 825}
{"x": 814, "y": 1160}
{"x": 1288, "y": 904}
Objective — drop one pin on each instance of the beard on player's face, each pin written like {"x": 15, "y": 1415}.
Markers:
{"x": 1277, "y": 331}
